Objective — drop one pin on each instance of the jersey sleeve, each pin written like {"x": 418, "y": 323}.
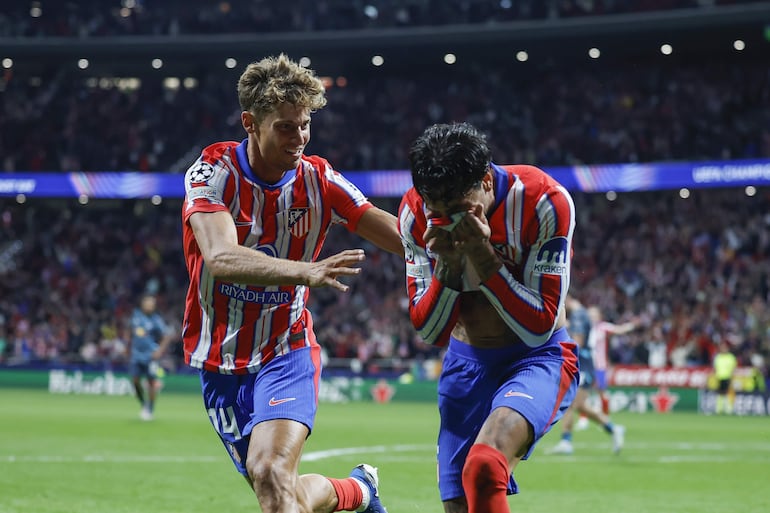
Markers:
{"x": 531, "y": 306}
{"x": 348, "y": 203}
{"x": 208, "y": 183}
{"x": 433, "y": 307}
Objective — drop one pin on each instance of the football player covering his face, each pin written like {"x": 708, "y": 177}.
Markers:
{"x": 255, "y": 217}
{"x": 487, "y": 262}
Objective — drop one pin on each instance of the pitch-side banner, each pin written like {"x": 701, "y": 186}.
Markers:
{"x": 598, "y": 178}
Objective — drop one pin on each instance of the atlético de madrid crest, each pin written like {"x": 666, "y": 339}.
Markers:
{"x": 299, "y": 221}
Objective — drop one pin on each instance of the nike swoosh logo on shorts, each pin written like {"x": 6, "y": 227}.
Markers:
{"x": 511, "y": 393}
{"x": 275, "y": 402}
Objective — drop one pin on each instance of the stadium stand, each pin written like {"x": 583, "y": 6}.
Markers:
{"x": 175, "y": 17}
{"x": 694, "y": 270}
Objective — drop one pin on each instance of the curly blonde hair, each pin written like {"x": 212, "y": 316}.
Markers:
{"x": 272, "y": 81}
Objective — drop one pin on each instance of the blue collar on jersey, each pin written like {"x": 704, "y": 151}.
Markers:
{"x": 243, "y": 162}
{"x": 501, "y": 184}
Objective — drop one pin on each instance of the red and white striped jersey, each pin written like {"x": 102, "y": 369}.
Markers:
{"x": 233, "y": 328}
{"x": 599, "y": 342}
{"x": 532, "y": 222}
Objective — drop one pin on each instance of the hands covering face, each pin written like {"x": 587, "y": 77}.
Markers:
{"x": 459, "y": 234}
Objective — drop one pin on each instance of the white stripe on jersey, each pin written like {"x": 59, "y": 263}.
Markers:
{"x": 205, "y": 296}
{"x": 315, "y": 203}
{"x": 352, "y": 191}
{"x": 259, "y": 342}
{"x": 514, "y": 204}
{"x": 419, "y": 257}
{"x": 235, "y": 206}
{"x": 565, "y": 282}
{"x": 598, "y": 341}
{"x": 234, "y": 323}
{"x": 440, "y": 315}
{"x": 282, "y": 234}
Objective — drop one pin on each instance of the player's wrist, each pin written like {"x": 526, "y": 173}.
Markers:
{"x": 449, "y": 273}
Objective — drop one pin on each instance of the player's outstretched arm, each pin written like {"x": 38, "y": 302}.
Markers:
{"x": 324, "y": 273}
{"x": 381, "y": 229}
{"x": 229, "y": 261}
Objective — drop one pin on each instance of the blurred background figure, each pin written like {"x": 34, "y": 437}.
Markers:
{"x": 724, "y": 368}
{"x": 150, "y": 337}
{"x": 579, "y": 326}
{"x": 599, "y": 344}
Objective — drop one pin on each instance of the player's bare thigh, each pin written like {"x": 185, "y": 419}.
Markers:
{"x": 275, "y": 446}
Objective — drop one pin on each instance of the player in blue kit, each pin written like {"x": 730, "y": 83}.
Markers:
{"x": 150, "y": 337}
{"x": 488, "y": 251}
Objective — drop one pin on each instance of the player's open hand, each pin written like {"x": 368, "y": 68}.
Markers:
{"x": 324, "y": 273}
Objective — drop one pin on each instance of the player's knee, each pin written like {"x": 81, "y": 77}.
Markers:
{"x": 271, "y": 475}
{"x": 485, "y": 468}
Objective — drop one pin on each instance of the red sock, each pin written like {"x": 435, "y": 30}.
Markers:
{"x": 349, "y": 494}
{"x": 605, "y": 404}
{"x": 485, "y": 480}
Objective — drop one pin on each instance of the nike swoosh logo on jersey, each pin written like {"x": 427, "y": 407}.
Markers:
{"x": 511, "y": 393}
{"x": 275, "y": 402}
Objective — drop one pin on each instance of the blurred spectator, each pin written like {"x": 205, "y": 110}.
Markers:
{"x": 179, "y": 17}
{"x": 697, "y": 271}
{"x": 703, "y": 109}
{"x": 65, "y": 295}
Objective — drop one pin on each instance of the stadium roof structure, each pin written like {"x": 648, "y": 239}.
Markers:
{"x": 621, "y": 36}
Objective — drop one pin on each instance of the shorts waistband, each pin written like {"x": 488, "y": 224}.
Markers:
{"x": 495, "y": 354}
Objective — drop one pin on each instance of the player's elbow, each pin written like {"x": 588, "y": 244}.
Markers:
{"x": 220, "y": 265}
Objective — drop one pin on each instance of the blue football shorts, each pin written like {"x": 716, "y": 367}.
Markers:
{"x": 587, "y": 373}
{"x": 284, "y": 388}
{"x": 539, "y": 383}
{"x": 144, "y": 368}
{"x": 600, "y": 379}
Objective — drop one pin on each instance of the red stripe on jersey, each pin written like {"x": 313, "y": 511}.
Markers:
{"x": 569, "y": 370}
{"x": 599, "y": 338}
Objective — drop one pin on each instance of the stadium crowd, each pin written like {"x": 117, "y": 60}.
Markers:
{"x": 176, "y": 17}
{"x": 691, "y": 271}
{"x": 635, "y": 112}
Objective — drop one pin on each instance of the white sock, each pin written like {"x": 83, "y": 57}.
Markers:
{"x": 367, "y": 495}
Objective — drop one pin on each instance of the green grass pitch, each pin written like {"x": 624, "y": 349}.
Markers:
{"x": 92, "y": 454}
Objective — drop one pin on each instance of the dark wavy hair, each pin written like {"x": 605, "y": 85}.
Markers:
{"x": 448, "y": 161}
